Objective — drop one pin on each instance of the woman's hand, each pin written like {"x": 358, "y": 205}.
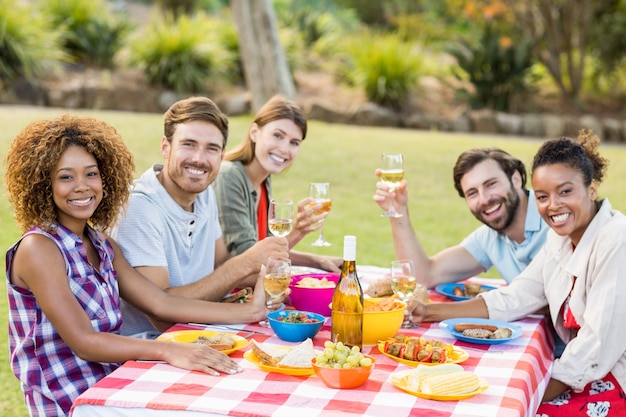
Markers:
{"x": 330, "y": 263}
{"x": 415, "y": 311}
{"x": 197, "y": 357}
{"x": 306, "y": 220}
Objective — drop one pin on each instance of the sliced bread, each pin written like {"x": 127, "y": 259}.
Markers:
{"x": 299, "y": 356}
{"x": 267, "y": 355}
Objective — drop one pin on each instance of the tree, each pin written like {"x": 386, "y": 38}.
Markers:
{"x": 562, "y": 33}
{"x": 264, "y": 63}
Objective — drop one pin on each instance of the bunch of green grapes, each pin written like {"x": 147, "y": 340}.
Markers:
{"x": 338, "y": 355}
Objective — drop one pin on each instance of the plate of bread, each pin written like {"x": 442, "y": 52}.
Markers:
{"x": 481, "y": 331}
{"x": 414, "y": 351}
{"x": 226, "y": 343}
{"x": 449, "y": 382}
{"x": 288, "y": 360}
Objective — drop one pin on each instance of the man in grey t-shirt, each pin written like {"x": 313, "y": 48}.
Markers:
{"x": 171, "y": 232}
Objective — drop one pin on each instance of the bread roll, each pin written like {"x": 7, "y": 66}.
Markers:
{"x": 380, "y": 288}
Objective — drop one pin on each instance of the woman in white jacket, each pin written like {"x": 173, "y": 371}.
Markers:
{"x": 578, "y": 274}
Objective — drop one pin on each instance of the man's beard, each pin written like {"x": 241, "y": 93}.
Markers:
{"x": 510, "y": 203}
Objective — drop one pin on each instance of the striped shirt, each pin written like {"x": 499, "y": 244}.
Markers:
{"x": 51, "y": 375}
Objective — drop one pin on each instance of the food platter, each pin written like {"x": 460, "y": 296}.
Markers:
{"x": 448, "y": 325}
{"x": 190, "y": 336}
{"x": 458, "y": 355}
{"x": 448, "y": 290}
{"x": 251, "y": 357}
{"x": 400, "y": 380}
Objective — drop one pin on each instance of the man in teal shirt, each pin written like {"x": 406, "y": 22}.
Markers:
{"x": 493, "y": 184}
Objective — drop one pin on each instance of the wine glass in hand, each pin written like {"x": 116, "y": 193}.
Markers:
{"x": 403, "y": 284}
{"x": 280, "y": 218}
{"x": 320, "y": 194}
{"x": 276, "y": 281}
{"x": 392, "y": 174}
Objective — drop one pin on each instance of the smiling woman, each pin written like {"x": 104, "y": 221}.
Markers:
{"x": 68, "y": 179}
{"x": 244, "y": 189}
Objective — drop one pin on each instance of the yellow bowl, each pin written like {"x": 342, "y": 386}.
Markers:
{"x": 382, "y": 325}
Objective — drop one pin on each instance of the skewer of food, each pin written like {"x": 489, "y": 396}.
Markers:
{"x": 418, "y": 349}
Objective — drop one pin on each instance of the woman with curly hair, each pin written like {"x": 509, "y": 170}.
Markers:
{"x": 578, "y": 274}
{"x": 68, "y": 179}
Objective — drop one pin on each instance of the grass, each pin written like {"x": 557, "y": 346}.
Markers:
{"x": 344, "y": 155}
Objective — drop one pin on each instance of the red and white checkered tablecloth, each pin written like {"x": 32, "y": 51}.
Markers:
{"x": 517, "y": 371}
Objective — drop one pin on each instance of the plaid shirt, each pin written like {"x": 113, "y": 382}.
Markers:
{"x": 52, "y": 376}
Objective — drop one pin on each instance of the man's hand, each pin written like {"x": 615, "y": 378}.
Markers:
{"x": 257, "y": 255}
{"x": 385, "y": 199}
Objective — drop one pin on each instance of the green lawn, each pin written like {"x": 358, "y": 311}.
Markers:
{"x": 344, "y": 155}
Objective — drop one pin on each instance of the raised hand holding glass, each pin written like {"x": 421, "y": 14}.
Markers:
{"x": 392, "y": 174}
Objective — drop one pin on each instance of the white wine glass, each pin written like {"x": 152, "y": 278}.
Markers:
{"x": 276, "y": 281}
{"x": 392, "y": 174}
{"x": 319, "y": 192}
{"x": 403, "y": 284}
{"x": 280, "y": 217}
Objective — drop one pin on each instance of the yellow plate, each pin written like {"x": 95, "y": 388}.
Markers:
{"x": 458, "y": 355}
{"x": 400, "y": 380}
{"x": 250, "y": 356}
{"x": 190, "y": 336}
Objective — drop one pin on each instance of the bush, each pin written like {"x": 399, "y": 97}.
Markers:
{"x": 93, "y": 35}
{"x": 29, "y": 44}
{"x": 386, "y": 67}
{"x": 226, "y": 33}
{"x": 496, "y": 67}
{"x": 321, "y": 27}
{"x": 180, "y": 54}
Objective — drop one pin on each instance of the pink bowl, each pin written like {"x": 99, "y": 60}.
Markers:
{"x": 316, "y": 300}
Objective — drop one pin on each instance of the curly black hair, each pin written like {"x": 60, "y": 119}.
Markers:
{"x": 580, "y": 154}
{"x": 35, "y": 152}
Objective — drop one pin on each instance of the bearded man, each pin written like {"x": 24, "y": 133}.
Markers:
{"x": 493, "y": 184}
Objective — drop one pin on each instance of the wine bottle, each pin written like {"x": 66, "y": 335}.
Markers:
{"x": 347, "y": 304}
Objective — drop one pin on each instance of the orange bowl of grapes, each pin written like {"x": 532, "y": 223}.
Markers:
{"x": 348, "y": 368}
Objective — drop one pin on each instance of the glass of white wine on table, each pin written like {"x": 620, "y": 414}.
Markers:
{"x": 276, "y": 281}
{"x": 392, "y": 174}
{"x": 280, "y": 217}
{"x": 403, "y": 284}
{"x": 319, "y": 192}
